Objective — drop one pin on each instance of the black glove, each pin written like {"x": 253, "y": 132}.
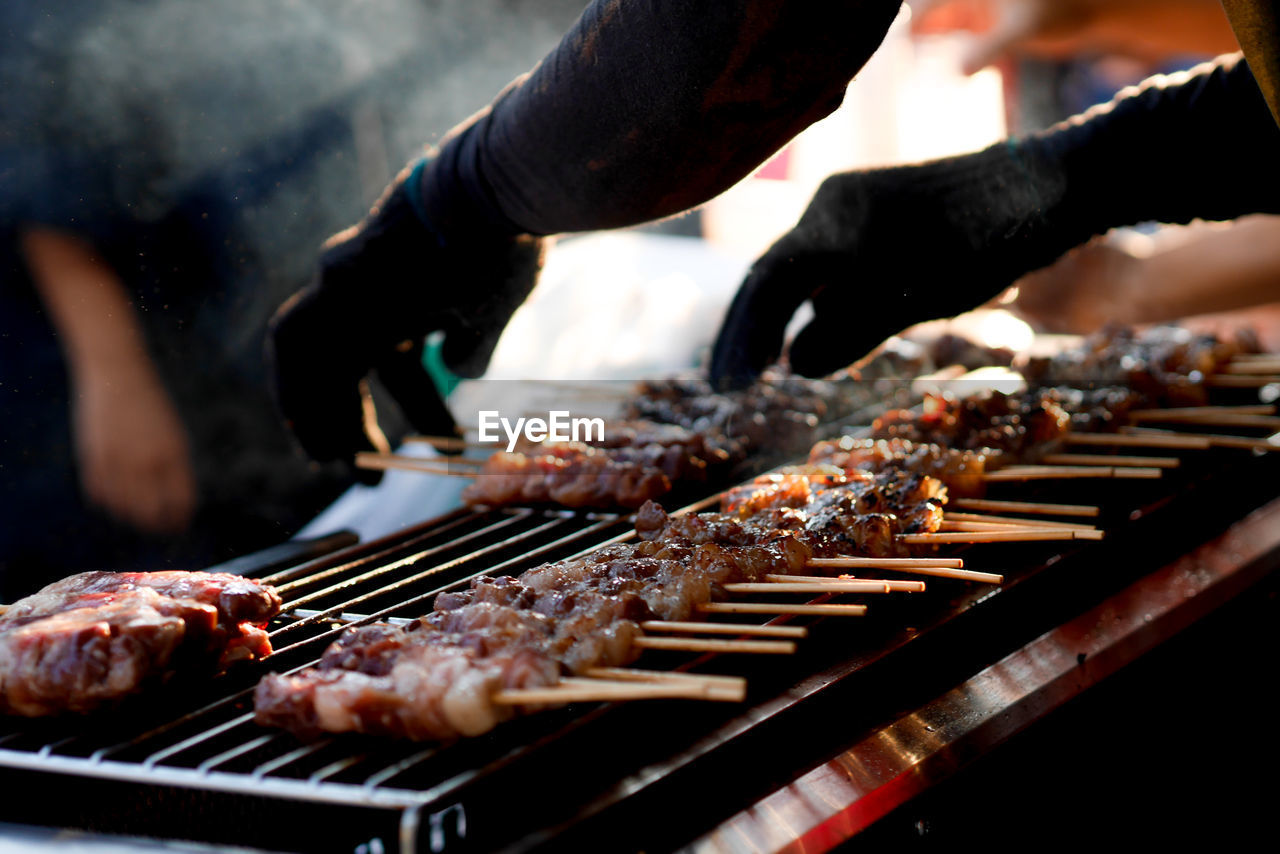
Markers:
{"x": 880, "y": 250}
{"x": 383, "y": 286}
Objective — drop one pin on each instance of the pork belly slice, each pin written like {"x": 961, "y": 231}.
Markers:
{"x": 418, "y": 684}
{"x": 94, "y": 638}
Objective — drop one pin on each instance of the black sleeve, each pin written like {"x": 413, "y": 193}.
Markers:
{"x": 648, "y": 108}
{"x": 1199, "y": 144}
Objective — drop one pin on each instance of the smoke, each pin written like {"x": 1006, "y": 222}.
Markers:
{"x": 285, "y": 117}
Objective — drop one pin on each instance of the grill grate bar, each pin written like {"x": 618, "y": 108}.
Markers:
{"x": 385, "y": 612}
{"x": 375, "y": 549}
{"x": 103, "y": 752}
{"x": 336, "y": 768}
{"x": 376, "y": 779}
{"x": 289, "y": 758}
{"x": 239, "y": 750}
{"x": 199, "y": 738}
{"x": 381, "y": 568}
{"x": 418, "y": 576}
{"x": 46, "y": 749}
{"x": 551, "y": 546}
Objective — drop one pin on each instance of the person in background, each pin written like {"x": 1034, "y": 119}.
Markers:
{"x": 166, "y": 172}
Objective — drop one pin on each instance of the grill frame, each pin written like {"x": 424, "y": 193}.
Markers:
{"x": 427, "y": 818}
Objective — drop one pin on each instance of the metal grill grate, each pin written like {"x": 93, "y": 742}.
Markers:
{"x": 200, "y": 739}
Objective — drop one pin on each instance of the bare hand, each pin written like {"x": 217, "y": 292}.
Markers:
{"x": 1087, "y": 288}
{"x": 132, "y": 449}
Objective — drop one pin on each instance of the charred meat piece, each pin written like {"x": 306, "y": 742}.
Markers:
{"x": 1165, "y": 366}
{"x": 960, "y": 470}
{"x": 587, "y": 477}
{"x": 97, "y": 637}
{"x": 1021, "y": 426}
{"x": 420, "y": 686}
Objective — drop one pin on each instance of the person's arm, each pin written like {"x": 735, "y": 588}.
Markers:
{"x": 1148, "y": 29}
{"x": 644, "y": 110}
{"x": 1218, "y": 268}
{"x": 131, "y": 446}
{"x": 879, "y": 250}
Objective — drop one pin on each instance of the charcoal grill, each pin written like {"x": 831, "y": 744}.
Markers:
{"x": 870, "y": 712}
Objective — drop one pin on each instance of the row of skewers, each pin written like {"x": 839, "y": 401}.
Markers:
{"x": 511, "y": 645}
{"x": 1137, "y": 379}
{"x": 571, "y": 629}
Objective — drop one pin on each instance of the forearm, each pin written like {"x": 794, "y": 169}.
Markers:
{"x": 1199, "y": 145}
{"x": 1224, "y": 269}
{"x": 87, "y": 304}
{"x": 649, "y": 108}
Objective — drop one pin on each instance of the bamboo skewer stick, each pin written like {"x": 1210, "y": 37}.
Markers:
{"x": 1015, "y": 521}
{"x": 1253, "y": 366}
{"x": 1121, "y": 440}
{"x": 1195, "y": 413}
{"x": 697, "y": 689}
{"x": 1111, "y": 460}
{"x": 1242, "y": 443}
{"x": 1026, "y": 535}
{"x": 729, "y": 688}
{"x": 1250, "y": 357}
{"x": 950, "y": 525}
{"x": 767, "y": 647}
{"x": 1240, "y": 380}
{"x": 812, "y": 609}
{"x": 826, "y": 585}
{"x": 1033, "y": 507}
{"x": 444, "y": 443}
{"x": 1226, "y": 419}
{"x": 1069, "y": 473}
{"x": 1264, "y": 422}
{"x": 976, "y": 527}
{"x": 724, "y": 629}
{"x": 937, "y": 572}
{"x": 893, "y": 586}
{"x": 903, "y": 563}
{"x": 698, "y": 506}
{"x": 1215, "y": 440}
{"x": 636, "y": 674}
{"x": 590, "y": 690}
{"x": 388, "y": 462}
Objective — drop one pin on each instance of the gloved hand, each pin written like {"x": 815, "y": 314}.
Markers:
{"x": 383, "y": 286}
{"x": 877, "y": 251}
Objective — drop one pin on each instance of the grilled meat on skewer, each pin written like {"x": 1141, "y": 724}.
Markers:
{"x": 94, "y": 638}
{"x": 960, "y": 470}
{"x": 588, "y": 477}
{"x": 1166, "y": 365}
{"x": 420, "y": 684}
{"x": 436, "y": 678}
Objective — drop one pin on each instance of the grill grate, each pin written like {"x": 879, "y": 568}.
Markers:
{"x": 199, "y": 739}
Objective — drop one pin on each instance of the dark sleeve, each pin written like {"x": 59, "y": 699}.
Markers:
{"x": 648, "y": 108}
{"x": 1199, "y": 144}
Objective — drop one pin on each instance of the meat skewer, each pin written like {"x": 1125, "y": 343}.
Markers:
{"x": 1166, "y": 366}
{"x": 483, "y": 649}
{"x": 439, "y": 677}
{"x": 93, "y": 639}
